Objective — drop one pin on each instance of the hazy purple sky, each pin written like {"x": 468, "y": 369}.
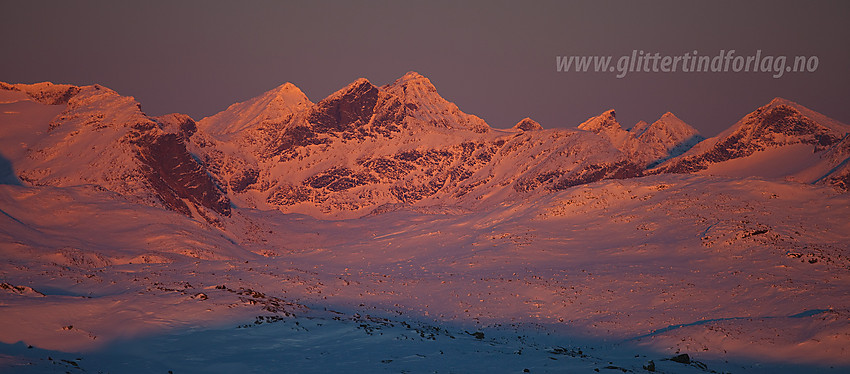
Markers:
{"x": 493, "y": 59}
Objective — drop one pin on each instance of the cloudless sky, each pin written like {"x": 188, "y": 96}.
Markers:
{"x": 494, "y": 59}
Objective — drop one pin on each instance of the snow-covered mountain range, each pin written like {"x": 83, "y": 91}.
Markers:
{"x": 383, "y": 229}
{"x": 365, "y": 147}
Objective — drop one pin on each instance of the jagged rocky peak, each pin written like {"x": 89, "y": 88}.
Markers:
{"x": 528, "y": 124}
{"x": 606, "y": 125}
{"x": 423, "y": 103}
{"x": 605, "y": 122}
{"x": 347, "y": 108}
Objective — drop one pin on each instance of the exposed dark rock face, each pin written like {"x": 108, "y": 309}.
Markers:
{"x": 188, "y": 127}
{"x": 286, "y": 195}
{"x": 339, "y": 179}
{"x": 292, "y": 138}
{"x": 557, "y": 180}
{"x": 173, "y": 173}
{"x": 346, "y": 112}
{"x": 241, "y": 182}
{"x": 388, "y": 169}
{"x": 177, "y": 123}
{"x": 682, "y": 359}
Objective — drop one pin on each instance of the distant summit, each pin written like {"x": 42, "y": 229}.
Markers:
{"x": 527, "y": 124}
{"x": 275, "y": 105}
{"x": 645, "y": 144}
{"x": 780, "y": 139}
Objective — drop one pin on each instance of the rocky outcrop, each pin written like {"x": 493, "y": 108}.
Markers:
{"x": 174, "y": 174}
{"x": 527, "y": 124}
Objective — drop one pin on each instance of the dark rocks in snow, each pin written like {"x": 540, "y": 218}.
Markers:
{"x": 339, "y": 179}
{"x": 290, "y": 139}
{"x": 351, "y": 109}
{"x": 682, "y": 359}
{"x": 245, "y": 178}
{"x": 174, "y": 174}
{"x": 388, "y": 169}
{"x": 20, "y": 290}
{"x": 286, "y": 194}
{"x": 557, "y": 180}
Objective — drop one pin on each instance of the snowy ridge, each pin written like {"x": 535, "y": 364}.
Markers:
{"x": 365, "y": 146}
{"x": 779, "y": 140}
{"x": 104, "y": 140}
{"x": 645, "y": 144}
{"x": 276, "y": 105}
{"x": 44, "y": 92}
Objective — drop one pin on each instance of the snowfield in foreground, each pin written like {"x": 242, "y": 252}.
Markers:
{"x": 741, "y": 275}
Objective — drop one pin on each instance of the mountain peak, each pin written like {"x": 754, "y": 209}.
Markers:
{"x": 781, "y": 101}
{"x": 821, "y": 119}
{"x": 411, "y": 75}
{"x": 355, "y": 88}
{"x": 670, "y": 122}
{"x": 287, "y": 88}
{"x": 273, "y": 105}
{"x": 665, "y": 138}
{"x": 670, "y": 115}
{"x": 359, "y": 82}
{"x": 777, "y": 129}
{"x": 605, "y": 122}
{"x": 528, "y": 124}
{"x": 414, "y": 82}
{"x": 420, "y": 96}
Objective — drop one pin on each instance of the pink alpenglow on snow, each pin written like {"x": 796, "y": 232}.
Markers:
{"x": 383, "y": 228}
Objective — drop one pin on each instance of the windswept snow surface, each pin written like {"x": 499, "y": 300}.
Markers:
{"x": 742, "y": 275}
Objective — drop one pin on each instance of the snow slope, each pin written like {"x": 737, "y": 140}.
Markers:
{"x": 744, "y": 271}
